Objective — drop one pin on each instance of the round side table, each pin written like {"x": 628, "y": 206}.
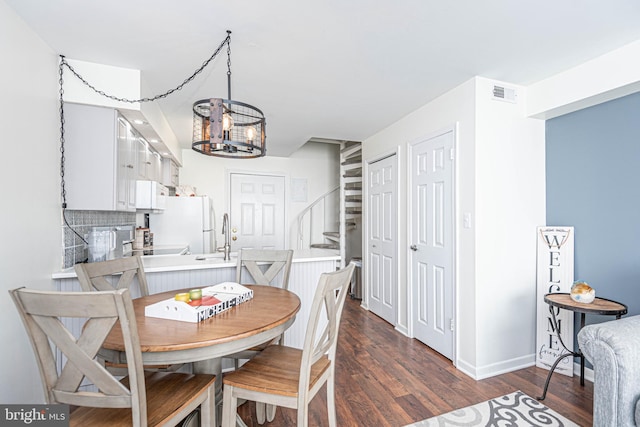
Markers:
{"x": 598, "y": 306}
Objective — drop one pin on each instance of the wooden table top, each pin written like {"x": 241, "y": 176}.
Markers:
{"x": 598, "y": 306}
{"x": 269, "y": 308}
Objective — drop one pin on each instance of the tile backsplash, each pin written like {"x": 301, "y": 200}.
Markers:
{"x": 75, "y": 249}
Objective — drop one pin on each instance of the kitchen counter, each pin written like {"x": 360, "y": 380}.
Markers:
{"x": 167, "y": 263}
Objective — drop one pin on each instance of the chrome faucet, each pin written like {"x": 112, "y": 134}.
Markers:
{"x": 227, "y": 237}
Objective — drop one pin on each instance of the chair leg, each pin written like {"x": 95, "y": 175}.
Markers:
{"x": 331, "y": 401}
{"x": 303, "y": 417}
{"x": 229, "y": 407}
{"x": 208, "y": 409}
{"x": 271, "y": 412}
{"x": 261, "y": 412}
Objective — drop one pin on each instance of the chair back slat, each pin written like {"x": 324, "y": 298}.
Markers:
{"x": 277, "y": 261}
{"x": 329, "y": 301}
{"x": 42, "y": 311}
{"x": 100, "y": 275}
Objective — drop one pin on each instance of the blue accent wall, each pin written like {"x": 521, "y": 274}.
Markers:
{"x": 593, "y": 184}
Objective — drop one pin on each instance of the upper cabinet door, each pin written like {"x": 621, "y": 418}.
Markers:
{"x": 155, "y": 166}
{"x": 170, "y": 173}
{"x": 149, "y": 161}
{"x": 126, "y": 168}
{"x": 100, "y": 161}
{"x": 142, "y": 153}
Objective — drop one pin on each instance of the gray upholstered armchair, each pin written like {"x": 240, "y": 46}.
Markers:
{"x": 614, "y": 350}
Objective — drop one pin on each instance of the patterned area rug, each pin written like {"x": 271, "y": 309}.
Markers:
{"x": 515, "y": 409}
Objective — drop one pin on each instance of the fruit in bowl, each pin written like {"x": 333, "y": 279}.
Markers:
{"x": 582, "y": 292}
{"x": 195, "y": 294}
{"x": 184, "y": 297}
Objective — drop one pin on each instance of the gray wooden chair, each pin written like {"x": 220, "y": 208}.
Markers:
{"x": 289, "y": 377}
{"x": 100, "y": 276}
{"x": 250, "y": 261}
{"x": 263, "y": 267}
{"x": 140, "y": 399}
{"x": 118, "y": 273}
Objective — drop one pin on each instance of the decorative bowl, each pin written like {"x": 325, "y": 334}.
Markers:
{"x": 582, "y": 292}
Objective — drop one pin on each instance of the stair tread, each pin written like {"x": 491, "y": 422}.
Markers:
{"x": 353, "y": 173}
{"x": 353, "y": 186}
{"x": 332, "y": 233}
{"x": 351, "y": 146}
{"x": 325, "y": 245}
{"x": 352, "y": 160}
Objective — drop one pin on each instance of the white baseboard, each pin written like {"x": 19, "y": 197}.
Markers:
{"x": 487, "y": 371}
{"x": 480, "y": 373}
{"x": 588, "y": 372}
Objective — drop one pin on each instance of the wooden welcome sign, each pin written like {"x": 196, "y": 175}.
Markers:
{"x": 554, "y": 274}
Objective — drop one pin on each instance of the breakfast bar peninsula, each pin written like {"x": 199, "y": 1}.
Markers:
{"x": 172, "y": 272}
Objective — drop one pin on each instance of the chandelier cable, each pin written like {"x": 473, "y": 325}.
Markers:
{"x": 63, "y": 63}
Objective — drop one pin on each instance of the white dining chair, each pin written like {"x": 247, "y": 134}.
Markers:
{"x": 139, "y": 399}
{"x": 290, "y": 377}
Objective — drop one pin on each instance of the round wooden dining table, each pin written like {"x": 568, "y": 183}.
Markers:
{"x": 264, "y": 317}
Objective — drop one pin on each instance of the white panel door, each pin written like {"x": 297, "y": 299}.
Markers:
{"x": 257, "y": 211}
{"x": 432, "y": 240}
{"x": 382, "y": 241}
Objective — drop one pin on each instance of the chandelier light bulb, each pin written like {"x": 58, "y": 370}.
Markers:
{"x": 250, "y": 133}
{"x": 227, "y": 122}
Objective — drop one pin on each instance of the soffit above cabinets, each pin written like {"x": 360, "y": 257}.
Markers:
{"x": 142, "y": 125}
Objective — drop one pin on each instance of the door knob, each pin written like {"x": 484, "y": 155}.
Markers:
{"x": 413, "y": 248}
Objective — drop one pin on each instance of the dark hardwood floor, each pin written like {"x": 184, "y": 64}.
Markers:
{"x": 386, "y": 379}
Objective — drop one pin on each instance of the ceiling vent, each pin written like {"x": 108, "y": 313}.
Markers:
{"x": 503, "y": 93}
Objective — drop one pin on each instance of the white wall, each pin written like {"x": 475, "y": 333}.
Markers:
{"x": 510, "y": 204}
{"x": 116, "y": 81}
{"x": 318, "y": 163}
{"x": 32, "y": 235}
{"x": 500, "y": 183}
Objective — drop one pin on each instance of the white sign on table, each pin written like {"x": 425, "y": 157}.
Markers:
{"x": 554, "y": 275}
{"x": 220, "y": 297}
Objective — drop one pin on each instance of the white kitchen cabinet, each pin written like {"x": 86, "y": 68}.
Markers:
{"x": 155, "y": 166}
{"x": 149, "y": 161}
{"x": 100, "y": 159}
{"x": 170, "y": 173}
{"x": 143, "y": 157}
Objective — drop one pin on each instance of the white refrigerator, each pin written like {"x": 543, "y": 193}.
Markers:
{"x": 188, "y": 220}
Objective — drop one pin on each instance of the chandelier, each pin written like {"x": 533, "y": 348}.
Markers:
{"x": 228, "y": 128}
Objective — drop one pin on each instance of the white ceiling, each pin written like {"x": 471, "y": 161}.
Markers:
{"x": 335, "y": 69}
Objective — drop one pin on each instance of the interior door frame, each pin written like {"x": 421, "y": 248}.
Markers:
{"x": 366, "y": 272}
{"x": 287, "y": 189}
{"x": 454, "y": 197}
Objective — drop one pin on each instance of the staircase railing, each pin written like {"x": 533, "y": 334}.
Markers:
{"x": 307, "y": 216}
